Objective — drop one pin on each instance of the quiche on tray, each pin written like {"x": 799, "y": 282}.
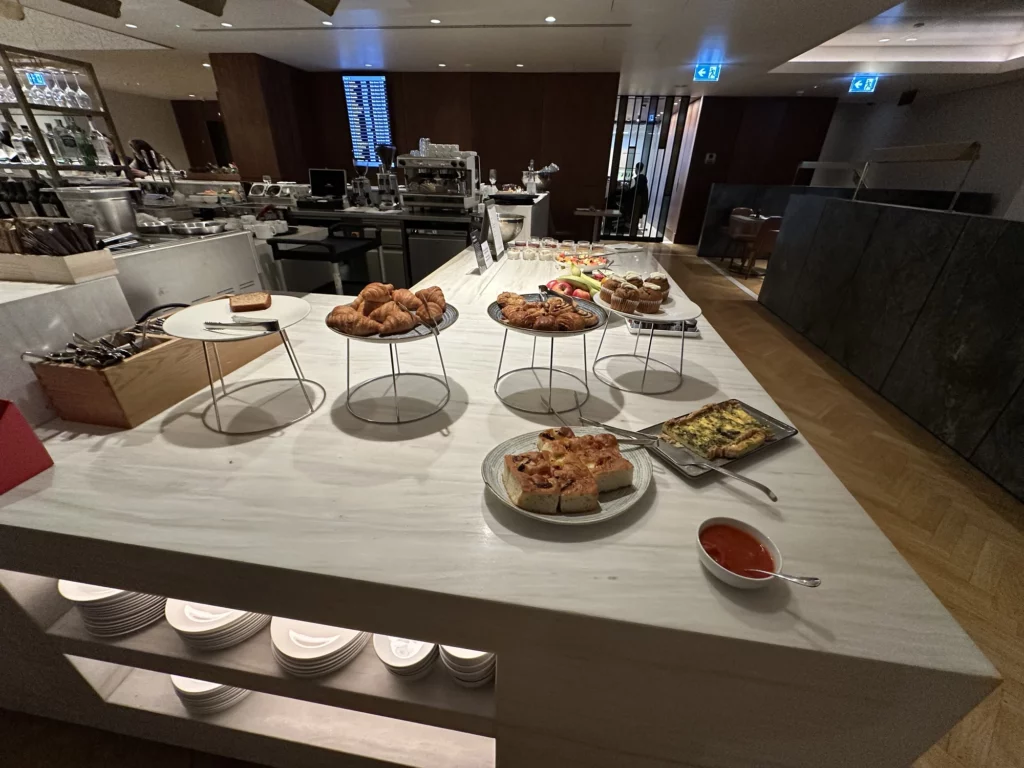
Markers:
{"x": 717, "y": 430}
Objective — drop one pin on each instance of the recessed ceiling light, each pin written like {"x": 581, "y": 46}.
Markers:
{"x": 520, "y": 65}
{"x": 191, "y": 95}
{"x": 367, "y": 65}
{"x": 327, "y": 23}
{"x": 206, "y": 64}
{"x": 911, "y": 39}
{"x": 435, "y": 21}
{"x": 884, "y": 39}
{"x": 550, "y": 19}
{"x": 132, "y": 26}
{"x": 815, "y": 86}
{"x": 178, "y": 26}
{"x": 442, "y": 65}
{"x": 799, "y": 93}
{"x": 226, "y": 24}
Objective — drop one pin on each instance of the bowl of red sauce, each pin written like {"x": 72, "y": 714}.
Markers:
{"x": 728, "y": 548}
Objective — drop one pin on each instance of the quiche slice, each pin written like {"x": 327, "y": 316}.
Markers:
{"x": 717, "y": 430}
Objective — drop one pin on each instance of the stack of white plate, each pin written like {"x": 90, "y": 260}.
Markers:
{"x": 211, "y": 628}
{"x": 472, "y": 669}
{"x": 109, "y": 612}
{"x": 204, "y": 698}
{"x": 310, "y": 650}
{"x": 410, "y": 659}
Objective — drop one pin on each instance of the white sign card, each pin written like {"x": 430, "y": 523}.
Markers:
{"x": 495, "y": 230}
{"x": 482, "y": 252}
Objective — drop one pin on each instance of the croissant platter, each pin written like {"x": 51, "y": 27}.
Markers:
{"x": 383, "y": 309}
{"x": 554, "y": 314}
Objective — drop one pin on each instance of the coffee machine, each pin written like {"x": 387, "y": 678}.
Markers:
{"x": 387, "y": 179}
{"x": 446, "y": 181}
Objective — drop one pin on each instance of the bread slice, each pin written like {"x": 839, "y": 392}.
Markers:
{"x": 551, "y": 439}
{"x": 529, "y": 480}
{"x": 577, "y": 488}
{"x": 250, "y": 302}
{"x": 608, "y": 468}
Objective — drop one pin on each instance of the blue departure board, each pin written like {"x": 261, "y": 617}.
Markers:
{"x": 368, "y": 118}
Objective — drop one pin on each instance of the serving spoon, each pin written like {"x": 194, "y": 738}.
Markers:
{"x": 803, "y": 581}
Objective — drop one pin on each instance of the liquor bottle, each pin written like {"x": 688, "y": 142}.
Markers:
{"x": 31, "y": 151}
{"x": 51, "y": 204}
{"x": 99, "y": 143}
{"x": 5, "y": 201}
{"x": 84, "y": 142}
{"x": 22, "y": 207}
{"x": 68, "y": 144}
{"x": 53, "y": 143}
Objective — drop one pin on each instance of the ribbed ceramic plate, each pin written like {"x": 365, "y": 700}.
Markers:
{"x": 494, "y": 312}
{"x": 613, "y": 503}
{"x": 451, "y": 314}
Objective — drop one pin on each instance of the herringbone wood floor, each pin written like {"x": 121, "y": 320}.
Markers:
{"x": 961, "y": 532}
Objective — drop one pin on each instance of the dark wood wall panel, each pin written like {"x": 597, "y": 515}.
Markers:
{"x": 755, "y": 141}
{"x": 191, "y": 117}
{"x": 438, "y": 106}
{"x": 507, "y": 139}
{"x": 324, "y": 120}
{"x": 285, "y": 86}
{"x": 245, "y": 107}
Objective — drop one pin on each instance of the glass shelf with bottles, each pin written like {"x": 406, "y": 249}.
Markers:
{"x": 71, "y": 146}
{"x": 49, "y": 87}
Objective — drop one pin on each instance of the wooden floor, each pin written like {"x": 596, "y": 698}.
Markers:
{"x": 961, "y": 532}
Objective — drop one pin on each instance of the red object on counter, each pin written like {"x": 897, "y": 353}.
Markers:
{"x": 22, "y": 455}
{"x": 736, "y": 550}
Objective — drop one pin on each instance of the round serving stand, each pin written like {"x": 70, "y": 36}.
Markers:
{"x": 253, "y": 406}
{"x": 548, "y": 377}
{"x": 677, "y": 310}
{"x": 399, "y": 385}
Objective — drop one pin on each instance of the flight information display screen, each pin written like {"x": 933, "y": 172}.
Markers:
{"x": 368, "y": 118}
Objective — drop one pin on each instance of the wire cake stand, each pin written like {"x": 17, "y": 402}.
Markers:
{"x": 253, "y": 406}
{"x": 532, "y": 400}
{"x": 399, "y": 385}
{"x": 675, "y": 311}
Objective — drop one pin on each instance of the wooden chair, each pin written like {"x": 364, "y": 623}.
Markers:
{"x": 763, "y": 243}
{"x": 738, "y": 238}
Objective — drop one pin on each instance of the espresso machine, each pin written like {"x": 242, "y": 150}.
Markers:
{"x": 387, "y": 179}
{"x": 445, "y": 182}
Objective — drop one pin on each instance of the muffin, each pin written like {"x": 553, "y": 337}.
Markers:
{"x": 649, "y": 299}
{"x": 608, "y": 286}
{"x": 659, "y": 279}
{"x": 625, "y": 298}
{"x": 634, "y": 278}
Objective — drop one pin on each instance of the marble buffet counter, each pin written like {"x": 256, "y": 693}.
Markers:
{"x": 614, "y": 646}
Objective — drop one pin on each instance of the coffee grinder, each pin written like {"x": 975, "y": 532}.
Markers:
{"x": 387, "y": 179}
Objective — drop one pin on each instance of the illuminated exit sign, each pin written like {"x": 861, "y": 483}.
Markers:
{"x": 706, "y": 73}
{"x": 864, "y": 82}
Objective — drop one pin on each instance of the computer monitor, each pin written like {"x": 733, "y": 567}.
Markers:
{"x": 327, "y": 182}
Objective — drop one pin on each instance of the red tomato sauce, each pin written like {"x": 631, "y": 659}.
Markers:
{"x": 736, "y": 550}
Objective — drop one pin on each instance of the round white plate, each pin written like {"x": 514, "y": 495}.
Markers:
{"x": 678, "y": 308}
{"x": 465, "y": 654}
{"x": 198, "y": 618}
{"x": 303, "y": 640}
{"x": 190, "y": 685}
{"x": 188, "y": 323}
{"x": 403, "y": 654}
{"x": 78, "y": 592}
{"x": 612, "y": 503}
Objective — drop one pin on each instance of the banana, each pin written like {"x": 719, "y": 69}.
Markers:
{"x": 585, "y": 282}
{"x": 576, "y": 270}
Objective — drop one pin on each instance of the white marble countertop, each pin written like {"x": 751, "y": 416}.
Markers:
{"x": 405, "y": 506}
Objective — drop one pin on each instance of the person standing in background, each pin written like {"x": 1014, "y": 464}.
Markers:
{"x": 636, "y": 199}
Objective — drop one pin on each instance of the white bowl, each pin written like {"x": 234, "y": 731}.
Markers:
{"x": 724, "y": 574}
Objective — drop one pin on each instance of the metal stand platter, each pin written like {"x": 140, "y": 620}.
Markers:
{"x": 400, "y": 397}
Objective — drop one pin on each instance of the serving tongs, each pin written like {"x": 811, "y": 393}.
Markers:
{"x": 650, "y": 441}
{"x": 237, "y": 321}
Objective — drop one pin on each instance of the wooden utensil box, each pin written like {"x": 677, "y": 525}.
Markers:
{"x": 67, "y": 270}
{"x": 137, "y": 389}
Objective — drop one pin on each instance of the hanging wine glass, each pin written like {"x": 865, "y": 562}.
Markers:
{"x": 53, "y": 89}
{"x": 84, "y": 101}
{"x": 29, "y": 88}
{"x": 69, "y": 93}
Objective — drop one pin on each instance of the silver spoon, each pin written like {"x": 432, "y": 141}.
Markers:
{"x": 803, "y": 581}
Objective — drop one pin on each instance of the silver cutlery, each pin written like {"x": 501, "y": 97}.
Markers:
{"x": 803, "y": 581}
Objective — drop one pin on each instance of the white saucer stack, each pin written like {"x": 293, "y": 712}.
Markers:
{"x": 410, "y": 659}
{"x": 203, "y": 698}
{"x": 211, "y": 628}
{"x": 311, "y": 650}
{"x": 471, "y": 669}
{"x": 109, "y": 612}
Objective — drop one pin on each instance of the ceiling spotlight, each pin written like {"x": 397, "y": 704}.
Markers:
{"x": 226, "y": 24}
{"x": 911, "y": 39}
{"x": 132, "y": 26}
{"x": 178, "y": 26}
{"x": 367, "y": 65}
{"x": 435, "y": 21}
{"x": 327, "y": 23}
{"x": 191, "y": 95}
{"x": 799, "y": 93}
{"x": 815, "y": 86}
{"x": 520, "y": 65}
{"x": 550, "y": 19}
{"x": 206, "y": 64}
{"x": 884, "y": 39}
{"x": 442, "y": 65}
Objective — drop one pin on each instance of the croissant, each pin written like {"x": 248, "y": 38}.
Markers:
{"x": 397, "y": 322}
{"x": 406, "y": 299}
{"x": 381, "y": 313}
{"x": 430, "y": 313}
{"x": 355, "y": 304}
{"x": 432, "y": 294}
{"x": 545, "y": 323}
{"x": 508, "y": 298}
{"x": 377, "y": 292}
{"x": 348, "y": 320}
{"x": 570, "y": 321}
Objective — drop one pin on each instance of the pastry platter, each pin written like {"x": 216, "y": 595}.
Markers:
{"x": 677, "y": 308}
{"x": 494, "y": 312}
{"x": 421, "y": 331}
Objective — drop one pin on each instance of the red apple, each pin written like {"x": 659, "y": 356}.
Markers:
{"x": 579, "y": 293}
{"x": 597, "y": 275}
{"x": 552, "y": 283}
